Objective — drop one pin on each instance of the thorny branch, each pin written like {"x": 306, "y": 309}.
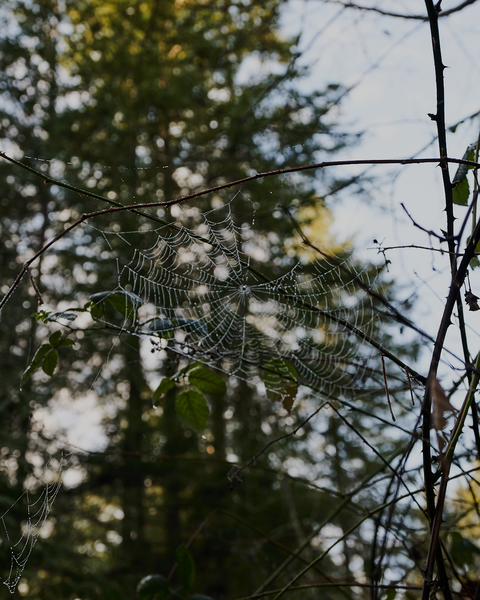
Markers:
{"x": 435, "y": 510}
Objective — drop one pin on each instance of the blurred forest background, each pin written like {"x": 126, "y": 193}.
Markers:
{"x": 146, "y": 101}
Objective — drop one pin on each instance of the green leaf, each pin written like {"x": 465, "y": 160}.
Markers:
{"x": 185, "y": 568}
{"x": 161, "y": 325}
{"x": 55, "y": 338}
{"x": 125, "y": 303}
{"x": 121, "y": 305}
{"x": 184, "y": 370}
{"x": 207, "y": 381}
{"x": 42, "y": 315}
{"x": 36, "y": 362}
{"x": 461, "y": 192}
{"x": 461, "y": 189}
{"x": 99, "y": 297}
{"x": 50, "y": 362}
{"x": 96, "y": 310}
{"x": 474, "y": 263}
{"x": 153, "y": 587}
{"x": 69, "y": 316}
{"x": 165, "y": 385}
{"x": 281, "y": 382}
{"x": 66, "y": 342}
{"x": 463, "y": 551}
{"x": 191, "y": 326}
{"x": 169, "y": 325}
{"x": 192, "y": 409}
{"x": 390, "y": 594}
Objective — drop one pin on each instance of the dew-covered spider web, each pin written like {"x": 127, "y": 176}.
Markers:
{"x": 32, "y": 508}
{"x": 214, "y": 293}
{"x": 223, "y": 289}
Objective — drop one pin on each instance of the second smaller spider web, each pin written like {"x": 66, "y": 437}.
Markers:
{"x": 36, "y": 509}
{"x": 214, "y": 302}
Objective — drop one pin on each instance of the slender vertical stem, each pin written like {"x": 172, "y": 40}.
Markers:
{"x": 454, "y": 296}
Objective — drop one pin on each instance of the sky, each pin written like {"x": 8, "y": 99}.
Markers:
{"x": 387, "y": 64}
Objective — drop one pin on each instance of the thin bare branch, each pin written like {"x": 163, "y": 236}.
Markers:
{"x": 387, "y": 13}
{"x": 35, "y": 287}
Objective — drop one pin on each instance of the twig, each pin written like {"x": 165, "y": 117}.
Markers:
{"x": 394, "y": 312}
{"x": 328, "y": 519}
{"x": 285, "y": 549}
{"x": 415, "y": 247}
{"x": 196, "y": 533}
{"x": 387, "y": 13}
{"x": 410, "y": 386}
{"x": 429, "y": 231}
{"x": 167, "y": 203}
{"x": 386, "y": 388}
{"x": 368, "y": 515}
{"x": 35, "y": 287}
{"x": 236, "y": 473}
{"x": 307, "y": 586}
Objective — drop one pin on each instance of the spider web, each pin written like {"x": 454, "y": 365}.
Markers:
{"x": 37, "y": 507}
{"x": 210, "y": 299}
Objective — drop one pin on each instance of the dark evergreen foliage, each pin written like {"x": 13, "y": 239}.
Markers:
{"x": 118, "y": 97}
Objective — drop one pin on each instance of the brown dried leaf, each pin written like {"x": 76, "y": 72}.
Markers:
{"x": 441, "y": 405}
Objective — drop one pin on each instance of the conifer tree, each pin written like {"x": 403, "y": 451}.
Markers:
{"x": 140, "y": 101}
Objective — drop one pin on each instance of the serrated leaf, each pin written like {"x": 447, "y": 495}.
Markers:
{"x": 206, "y": 381}
{"x": 36, "y": 362}
{"x": 461, "y": 192}
{"x": 281, "y": 381}
{"x": 153, "y": 587}
{"x": 50, "y": 362}
{"x": 55, "y": 337}
{"x": 165, "y": 385}
{"x": 192, "y": 409}
{"x": 185, "y": 568}
{"x": 461, "y": 189}
{"x": 462, "y": 170}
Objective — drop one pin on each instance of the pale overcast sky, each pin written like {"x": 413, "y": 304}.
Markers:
{"x": 388, "y": 62}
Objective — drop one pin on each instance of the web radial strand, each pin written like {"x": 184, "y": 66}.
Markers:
{"x": 215, "y": 302}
